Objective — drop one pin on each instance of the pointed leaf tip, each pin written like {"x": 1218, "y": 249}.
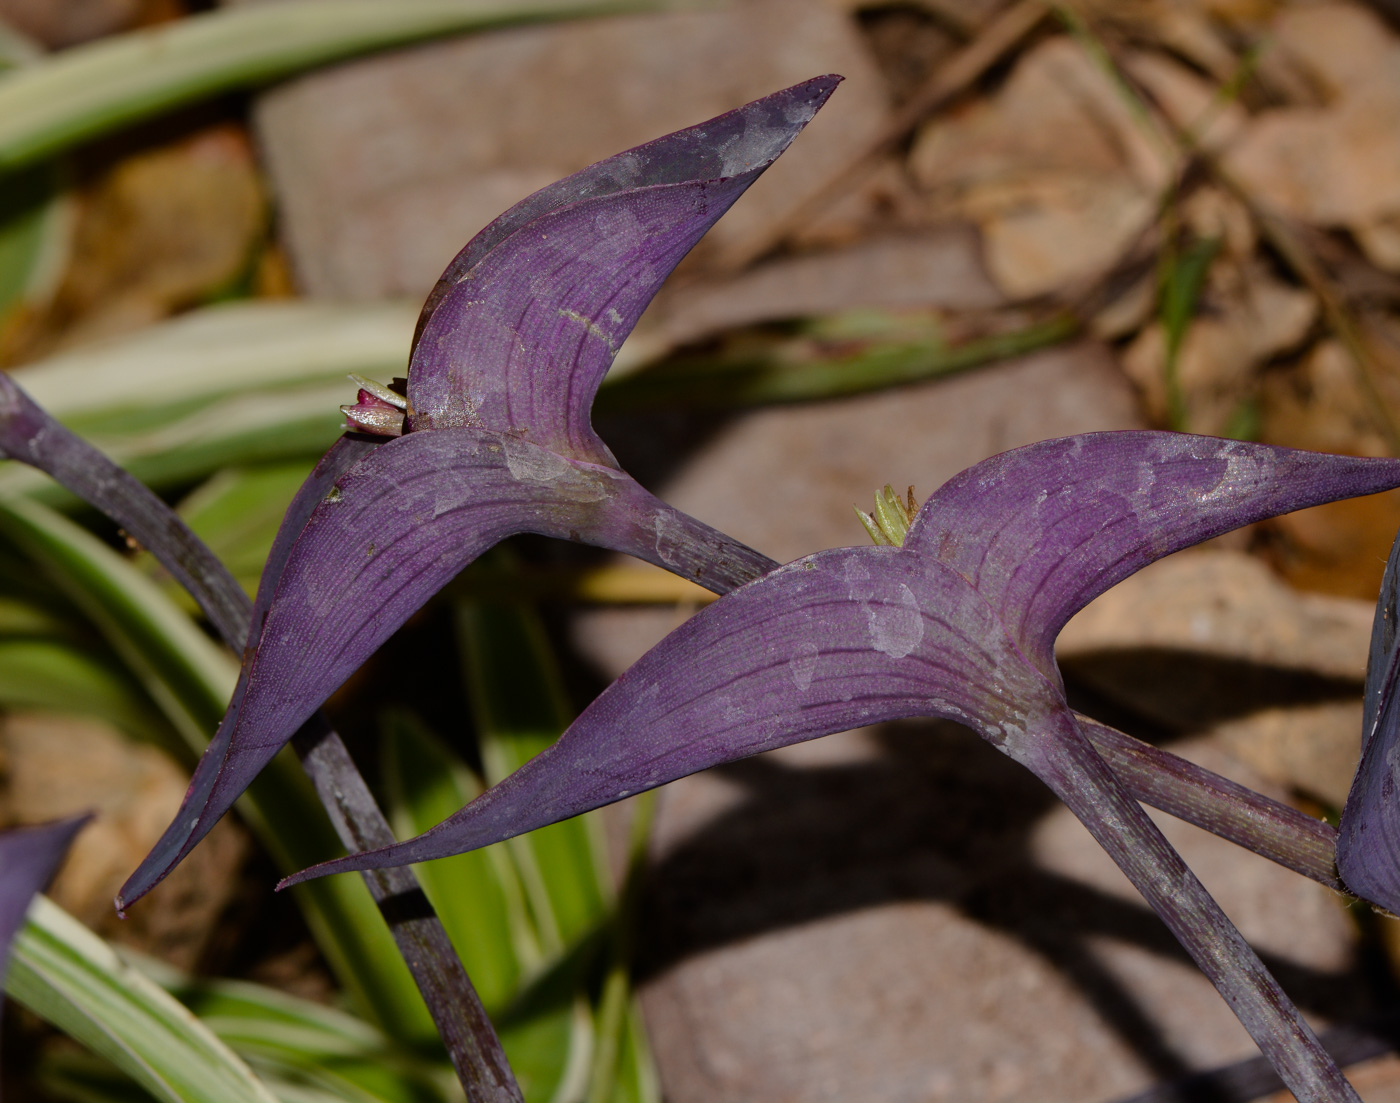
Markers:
{"x": 393, "y": 529}
{"x": 1042, "y": 530}
{"x": 503, "y": 347}
{"x": 29, "y": 857}
{"x": 840, "y": 639}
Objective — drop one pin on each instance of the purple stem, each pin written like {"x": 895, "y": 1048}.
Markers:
{"x": 452, "y": 1000}
{"x": 30, "y": 435}
{"x": 1222, "y": 807}
{"x": 1067, "y": 762}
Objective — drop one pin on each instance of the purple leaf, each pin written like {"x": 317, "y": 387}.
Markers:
{"x": 840, "y": 639}
{"x": 391, "y": 532}
{"x": 1043, "y": 530}
{"x": 342, "y": 455}
{"x": 521, "y": 328}
{"x": 1003, "y": 552}
{"x": 28, "y": 858}
{"x": 1368, "y": 844}
{"x": 960, "y": 622}
{"x": 843, "y": 638}
{"x": 512, "y": 347}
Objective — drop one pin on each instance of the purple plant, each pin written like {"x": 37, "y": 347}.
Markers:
{"x": 511, "y": 347}
{"x": 957, "y": 618}
{"x": 959, "y": 622}
{"x": 1368, "y": 848}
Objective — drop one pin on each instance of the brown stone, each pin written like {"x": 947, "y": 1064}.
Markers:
{"x": 162, "y": 230}
{"x": 386, "y": 167}
{"x": 1309, "y": 749}
{"x": 61, "y": 766}
{"x": 58, "y": 23}
{"x": 1212, "y": 640}
{"x": 1375, "y": 1081}
{"x": 1337, "y": 163}
{"x": 1229, "y": 605}
{"x": 904, "y": 914}
{"x": 937, "y": 268}
{"x": 1056, "y": 169}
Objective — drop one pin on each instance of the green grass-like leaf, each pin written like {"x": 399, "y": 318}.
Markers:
{"x": 237, "y": 384}
{"x": 477, "y": 896}
{"x": 53, "y": 104}
{"x": 520, "y": 708}
{"x": 482, "y": 903}
{"x": 67, "y": 975}
{"x": 55, "y": 676}
{"x": 35, "y": 219}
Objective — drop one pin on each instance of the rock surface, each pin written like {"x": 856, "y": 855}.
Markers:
{"x": 1344, "y": 51}
{"x": 940, "y": 267}
{"x": 906, "y": 915}
{"x": 386, "y": 167}
{"x": 61, "y": 766}
{"x": 1214, "y": 641}
{"x": 1376, "y": 1081}
{"x": 59, "y": 23}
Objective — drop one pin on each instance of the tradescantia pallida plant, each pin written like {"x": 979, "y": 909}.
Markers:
{"x": 496, "y": 438}
{"x": 957, "y": 618}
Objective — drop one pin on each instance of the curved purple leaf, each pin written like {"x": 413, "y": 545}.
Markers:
{"x": 342, "y": 456}
{"x": 28, "y": 858}
{"x": 842, "y": 638}
{"x": 515, "y": 342}
{"x": 1368, "y": 843}
{"x": 523, "y": 325}
{"x": 728, "y": 145}
{"x": 849, "y": 637}
{"x": 393, "y": 530}
{"x": 1381, "y": 660}
{"x": 1043, "y": 530}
